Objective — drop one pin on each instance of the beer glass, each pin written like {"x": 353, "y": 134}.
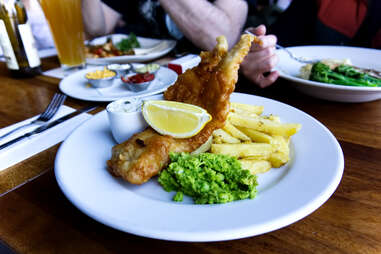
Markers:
{"x": 65, "y": 21}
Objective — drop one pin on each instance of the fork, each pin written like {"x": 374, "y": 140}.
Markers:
{"x": 50, "y": 111}
{"x": 296, "y": 58}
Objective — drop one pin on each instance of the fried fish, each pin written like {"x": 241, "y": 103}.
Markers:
{"x": 207, "y": 85}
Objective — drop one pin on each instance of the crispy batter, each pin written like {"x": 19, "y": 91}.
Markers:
{"x": 208, "y": 85}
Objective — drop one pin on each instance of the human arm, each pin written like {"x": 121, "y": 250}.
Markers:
{"x": 261, "y": 59}
{"x": 98, "y": 18}
{"x": 202, "y": 22}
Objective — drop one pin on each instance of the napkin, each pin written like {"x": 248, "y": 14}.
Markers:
{"x": 39, "y": 142}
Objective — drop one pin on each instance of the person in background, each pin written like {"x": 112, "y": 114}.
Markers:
{"x": 330, "y": 22}
{"x": 300, "y": 22}
{"x": 196, "y": 22}
{"x": 265, "y": 12}
{"x": 259, "y": 63}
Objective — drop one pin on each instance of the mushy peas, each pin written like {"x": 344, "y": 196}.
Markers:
{"x": 208, "y": 178}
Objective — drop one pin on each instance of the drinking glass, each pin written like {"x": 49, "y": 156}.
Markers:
{"x": 65, "y": 21}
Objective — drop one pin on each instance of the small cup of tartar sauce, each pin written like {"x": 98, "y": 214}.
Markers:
{"x": 120, "y": 69}
{"x": 125, "y": 118}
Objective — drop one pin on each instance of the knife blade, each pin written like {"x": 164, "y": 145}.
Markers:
{"x": 48, "y": 126}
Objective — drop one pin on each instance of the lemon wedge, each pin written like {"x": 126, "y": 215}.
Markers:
{"x": 179, "y": 120}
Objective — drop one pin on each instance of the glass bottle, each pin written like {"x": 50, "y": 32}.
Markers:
{"x": 17, "y": 41}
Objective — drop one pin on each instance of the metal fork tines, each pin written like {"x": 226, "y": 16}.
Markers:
{"x": 299, "y": 59}
{"x": 49, "y": 112}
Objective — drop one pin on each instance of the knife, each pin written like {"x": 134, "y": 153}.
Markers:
{"x": 48, "y": 125}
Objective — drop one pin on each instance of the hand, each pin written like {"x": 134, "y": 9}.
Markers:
{"x": 261, "y": 59}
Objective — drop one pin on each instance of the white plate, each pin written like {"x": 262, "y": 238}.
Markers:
{"x": 361, "y": 57}
{"x": 285, "y": 195}
{"x": 144, "y": 43}
{"x": 76, "y": 86}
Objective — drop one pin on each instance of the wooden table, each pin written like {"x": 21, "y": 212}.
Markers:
{"x": 37, "y": 218}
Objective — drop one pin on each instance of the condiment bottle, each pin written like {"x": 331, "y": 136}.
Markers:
{"x": 17, "y": 41}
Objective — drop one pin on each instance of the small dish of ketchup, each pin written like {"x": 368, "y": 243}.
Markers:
{"x": 139, "y": 81}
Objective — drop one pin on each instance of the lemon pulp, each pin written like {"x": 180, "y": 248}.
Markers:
{"x": 176, "y": 119}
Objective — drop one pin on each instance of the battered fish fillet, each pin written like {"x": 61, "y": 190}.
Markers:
{"x": 207, "y": 85}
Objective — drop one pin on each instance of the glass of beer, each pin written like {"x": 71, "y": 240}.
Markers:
{"x": 65, "y": 21}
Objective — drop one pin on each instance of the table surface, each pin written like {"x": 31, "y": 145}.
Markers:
{"x": 37, "y": 218}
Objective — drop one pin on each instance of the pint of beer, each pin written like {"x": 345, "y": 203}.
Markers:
{"x": 65, "y": 21}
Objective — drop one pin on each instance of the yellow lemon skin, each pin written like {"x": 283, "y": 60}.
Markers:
{"x": 179, "y": 120}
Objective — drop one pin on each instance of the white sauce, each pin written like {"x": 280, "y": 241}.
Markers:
{"x": 125, "y": 106}
{"x": 118, "y": 66}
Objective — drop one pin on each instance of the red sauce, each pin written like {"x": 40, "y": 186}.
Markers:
{"x": 139, "y": 78}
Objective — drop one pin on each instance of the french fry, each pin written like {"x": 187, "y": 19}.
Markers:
{"x": 262, "y": 157}
{"x": 265, "y": 125}
{"x": 217, "y": 140}
{"x": 229, "y": 128}
{"x": 246, "y": 125}
{"x": 255, "y": 166}
{"x": 281, "y": 142}
{"x": 224, "y": 137}
{"x": 281, "y": 154}
{"x": 272, "y": 118}
{"x": 242, "y": 112}
{"x": 240, "y": 107}
{"x": 278, "y": 159}
{"x": 243, "y": 150}
{"x": 204, "y": 147}
{"x": 256, "y": 136}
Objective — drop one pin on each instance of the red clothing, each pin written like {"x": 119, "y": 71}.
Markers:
{"x": 345, "y": 16}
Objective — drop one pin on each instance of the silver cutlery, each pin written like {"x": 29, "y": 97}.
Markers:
{"x": 49, "y": 112}
{"x": 48, "y": 126}
{"x": 296, "y": 58}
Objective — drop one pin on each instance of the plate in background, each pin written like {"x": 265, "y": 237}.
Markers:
{"x": 76, "y": 86}
{"x": 144, "y": 43}
{"x": 361, "y": 57}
